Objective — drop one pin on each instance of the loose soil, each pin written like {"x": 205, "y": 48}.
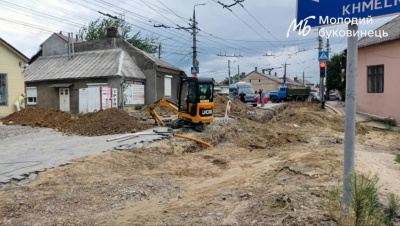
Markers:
{"x": 238, "y": 107}
{"x": 104, "y": 122}
{"x": 272, "y": 173}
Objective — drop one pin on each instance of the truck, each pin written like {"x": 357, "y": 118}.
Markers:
{"x": 247, "y": 88}
{"x": 289, "y": 94}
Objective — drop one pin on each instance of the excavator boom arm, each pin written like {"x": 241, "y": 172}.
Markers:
{"x": 159, "y": 103}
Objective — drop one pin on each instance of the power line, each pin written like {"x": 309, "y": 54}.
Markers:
{"x": 27, "y": 25}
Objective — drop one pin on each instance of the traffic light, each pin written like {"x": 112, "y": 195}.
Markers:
{"x": 322, "y": 67}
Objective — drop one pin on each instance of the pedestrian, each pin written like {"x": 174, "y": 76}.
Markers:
{"x": 262, "y": 97}
{"x": 242, "y": 97}
{"x": 20, "y": 102}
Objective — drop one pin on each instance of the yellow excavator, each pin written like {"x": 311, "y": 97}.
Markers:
{"x": 195, "y": 106}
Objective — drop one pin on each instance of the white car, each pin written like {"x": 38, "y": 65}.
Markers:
{"x": 333, "y": 96}
{"x": 314, "y": 96}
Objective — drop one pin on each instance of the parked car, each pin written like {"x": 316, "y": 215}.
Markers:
{"x": 333, "y": 96}
{"x": 247, "y": 88}
{"x": 314, "y": 96}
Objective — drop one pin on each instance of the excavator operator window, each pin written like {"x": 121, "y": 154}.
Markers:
{"x": 189, "y": 97}
{"x": 205, "y": 93}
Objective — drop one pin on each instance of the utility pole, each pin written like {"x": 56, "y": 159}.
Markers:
{"x": 328, "y": 48}
{"x": 284, "y": 75}
{"x": 194, "y": 32}
{"x": 194, "y": 37}
{"x": 238, "y": 71}
{"x": 321, "y": 79}
{"x": 304, "y": 76}
{"x": 160, "y": 47}
{"x": 159, "y": 51}
{"x": 229, "y": 71}
{"x": 350, "y": 122}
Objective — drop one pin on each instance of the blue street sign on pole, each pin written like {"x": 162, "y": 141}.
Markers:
{"x": 344, "y": 9}
{"x": 194, "y": 70}
{"x": 323, "y": 56}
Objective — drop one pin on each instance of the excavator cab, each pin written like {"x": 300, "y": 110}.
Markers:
{"x": 195, "y": 106}
{"x": 196, "y": 101}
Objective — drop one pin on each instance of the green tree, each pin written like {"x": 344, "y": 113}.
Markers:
{"x": 234, "y": 79}
{"x": 335, "y": 78}
{"x": 98, "y": 30}
{"x": 147, "y": 44}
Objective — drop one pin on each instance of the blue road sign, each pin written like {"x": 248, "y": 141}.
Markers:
{"x": 194, "y": 70}
{"x": 323, "y": 56}
{"x": 344, "y": 9}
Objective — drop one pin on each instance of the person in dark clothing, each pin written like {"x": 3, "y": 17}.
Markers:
{"x": 242, "y": 97}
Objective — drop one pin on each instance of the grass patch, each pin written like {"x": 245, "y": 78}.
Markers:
{"x": 397, "y": 158}
{"x": 365, "y": 206}
{"x": 389, "y": 129}
{"x": 393, "y": 207}
{"x": 390, "y": 123}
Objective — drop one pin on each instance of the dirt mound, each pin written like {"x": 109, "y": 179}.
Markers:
{"x": 41, "y": 117}
{"x": 104, "y": 122}
{"x": 237, "y": 107}
{"x": 110, "y": 121}
{"x": 309, "y": 113}
{"x": 266, "y": 115}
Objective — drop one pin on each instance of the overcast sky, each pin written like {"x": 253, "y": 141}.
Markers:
{"x": 253, "y": 31}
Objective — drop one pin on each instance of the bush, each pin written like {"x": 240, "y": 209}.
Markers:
{"x": 398, "y": 158}
{"x": 365, "y": 206}
{"x": 394, "y": 201}
{"x": 365, "y": 202}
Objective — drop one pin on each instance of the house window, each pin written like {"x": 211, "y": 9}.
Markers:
{"x": 31, "y": 95}
{"x": 3, "y": 90}
{"x": 250, "y": 80}
{"x": 167, "y": 86}
{"x": 375, "y": 79}
{"x": 259, "y": 80}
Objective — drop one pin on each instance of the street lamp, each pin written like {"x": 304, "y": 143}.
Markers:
{"x": 198, "y": 4}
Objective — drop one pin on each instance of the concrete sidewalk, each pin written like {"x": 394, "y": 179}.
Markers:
{"x": 340, "y": 106}
{"x": 31, "y": 150}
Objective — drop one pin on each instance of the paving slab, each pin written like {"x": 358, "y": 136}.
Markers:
{"x": 30, "y": 150}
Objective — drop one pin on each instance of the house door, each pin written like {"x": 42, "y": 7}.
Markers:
{"x": 64, "y": 99}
